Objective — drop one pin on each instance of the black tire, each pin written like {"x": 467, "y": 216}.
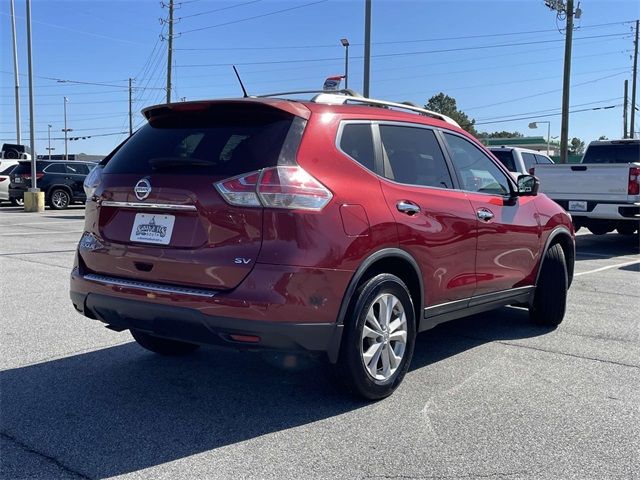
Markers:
{"x": 350, "y": 370}
{"x": 163, "y": 346}
{"x": 627, "y": 228}
{"x": 550, "y": 297}
{"x": 17, "y": 202}
{"x": 59, "y": 199}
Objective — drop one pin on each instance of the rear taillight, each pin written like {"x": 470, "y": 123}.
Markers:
{"x": 2, "y": 179}
{"x": 27, "y": 176}
{"x": 92, "y": 181}
{"x": 276, "y": 187}
{"x": 634, "y": 181}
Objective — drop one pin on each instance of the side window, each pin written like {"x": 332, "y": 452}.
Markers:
{"x": 413, "y": 156}
{"x": 476, "y": 171}
{"x": 529, "y": 160}
{"x": 77, "y": 168}
{"x": 55, "y": 168}
{"x": 543, "y": 159}
{"x": 357, "y": 142}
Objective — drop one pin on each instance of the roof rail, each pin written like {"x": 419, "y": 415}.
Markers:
{"x": 336, "y": 97}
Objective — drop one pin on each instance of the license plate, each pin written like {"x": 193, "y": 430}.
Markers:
{"x": 150, "y": 228}
{"x": 577, "y": 206}
{"x": 17, "y": 180}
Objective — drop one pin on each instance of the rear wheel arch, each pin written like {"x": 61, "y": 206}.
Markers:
{"x": 563, "y": 237}
{"x": 389, "y": 260}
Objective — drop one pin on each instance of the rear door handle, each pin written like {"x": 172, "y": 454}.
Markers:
{"x": 484, "y": 214}
{"x": 405, "y": 206}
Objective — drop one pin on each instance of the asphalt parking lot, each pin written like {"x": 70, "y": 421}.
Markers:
{"x": 489, "y": 396}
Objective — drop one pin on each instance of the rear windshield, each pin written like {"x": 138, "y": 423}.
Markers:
{"x": 506, "y": 158}
{"x": 224, "y": 141}
{"x": 613, "y": 153}
{"x": 25, "y": 167}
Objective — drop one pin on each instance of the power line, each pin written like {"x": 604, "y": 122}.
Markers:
{"x": 548, "y": 110}
{"x": 399, "y": 54}
{"x": 397, "y": 42}
{"x": 254, "y": 17}
{"x": 219, "y": 9}
{"x": 548, "y": 115}
{"x": 542, "y": 93}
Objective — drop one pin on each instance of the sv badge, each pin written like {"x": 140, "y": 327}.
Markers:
{"x": 242, "y": 261}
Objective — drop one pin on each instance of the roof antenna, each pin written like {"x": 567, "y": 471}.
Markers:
{"x": 244, "y": 91}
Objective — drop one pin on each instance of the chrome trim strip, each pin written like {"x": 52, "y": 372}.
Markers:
{"x": 153, "y": 287}
{"x": 486, "y": 298}
{"x": 149, "y": 206}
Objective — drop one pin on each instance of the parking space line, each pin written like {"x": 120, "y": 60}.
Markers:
{"x": 608, "y": 267}
{"x": 49, "y": 232}
{"x": 36, "y": 253}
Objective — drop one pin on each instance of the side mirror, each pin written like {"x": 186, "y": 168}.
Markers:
{"x": 528, "y": 186}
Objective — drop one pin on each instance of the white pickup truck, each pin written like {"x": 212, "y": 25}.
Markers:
{"x": 602, "y": 193}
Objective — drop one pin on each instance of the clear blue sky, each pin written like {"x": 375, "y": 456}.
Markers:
{"x": 109, "y": 41}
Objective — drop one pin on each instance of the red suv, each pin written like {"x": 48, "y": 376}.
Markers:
{"x": 340, "y": 225}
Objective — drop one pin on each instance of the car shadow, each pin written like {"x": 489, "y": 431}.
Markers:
{"x": 122, "y": 409}
{"x": 610, "y": 245}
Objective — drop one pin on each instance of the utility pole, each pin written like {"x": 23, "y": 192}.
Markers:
{"x": 624, "y": 109}
{"x": 633, "y": 85}
{"x": 130, "y": 111}
{"x": 65, "y": 130}
{"x": 15, "y": 73}
{"x": 566, "y": 86}
{"x": 49, "y": 147}
{"x": 170, "y": 51}
{"x": 32, "y": 130}
{"x": 367, "y": 46}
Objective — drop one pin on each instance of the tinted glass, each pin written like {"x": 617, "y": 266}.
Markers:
{"x": 476, "y": 171}
{"x": 357, "y": 142}
{"x": 544, "y": 160}
{"x": 413, "y": 156}
{"x": 224, "y": 140}
{"x": 55, "y": 168}
{"x": 8, "y": 170}
{"x": 529, "y": 160}
{"x": 506, "y": 158}
{"x": 77, "y": 169}
{"x": 25, "y": 167}
{"x": 613, "y": 153}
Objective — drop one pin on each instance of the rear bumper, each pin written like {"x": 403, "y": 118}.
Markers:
{"x": 289, "y": 308}
{"x": 17, "y": 193}
{"x": 190, "y": 325}
{"x": 606, "y": 211}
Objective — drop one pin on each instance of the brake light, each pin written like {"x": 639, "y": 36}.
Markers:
{"x": 634, "y": 181}
{"x": 92, "y": 181}
{"x": 27, "y": 176}
{"x": 276, "y": 187}
{"x": 2, "y": 179}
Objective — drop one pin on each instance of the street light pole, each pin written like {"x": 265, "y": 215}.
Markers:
{"x": 32, "y": 130}
{"x": 49, "y": 142}
{"x": 345, "y": 44}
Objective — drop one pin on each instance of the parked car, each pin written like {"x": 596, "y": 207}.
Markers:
{"x": 330, "y": 226}
{"x": 602, "y": 193}
{"x": 61, "y": 182}
{"x": 13, "y": 151}
{"x": 6, "y": 167}
{"x": 520, "y": 160}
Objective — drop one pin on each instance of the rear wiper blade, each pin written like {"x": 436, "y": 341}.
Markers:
{"x": 173, "y": 162}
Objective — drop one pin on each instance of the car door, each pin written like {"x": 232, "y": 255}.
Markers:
{"x": 509, "y": 228}
{"x": 436, "y": 223}
{"x": 76, "y": 173}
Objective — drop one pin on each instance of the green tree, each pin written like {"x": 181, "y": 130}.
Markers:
{"x": 576, "y": 146}
{"x": 446, "y": 105}
{"x": 502, "y": 134}
{"x": 603, "y": 137}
